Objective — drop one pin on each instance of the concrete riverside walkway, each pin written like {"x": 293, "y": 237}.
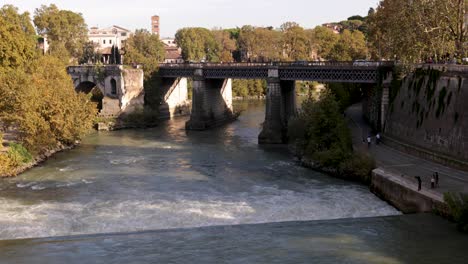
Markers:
{"x": 405, "y": 165}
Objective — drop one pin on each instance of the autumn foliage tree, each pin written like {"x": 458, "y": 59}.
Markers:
{"x": 413, "y": 30}
{"x": 37, "y": 97}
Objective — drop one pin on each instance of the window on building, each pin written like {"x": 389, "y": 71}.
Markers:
{"x": 104, "y": 41}
{"x": 110, "y": 41}
{"x": 123, "y": 34}
{"x": 113, "y": 87}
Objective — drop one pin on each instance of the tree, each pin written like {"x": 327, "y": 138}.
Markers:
{"x": 115, "y": 55}
{"x": 65, "y": 30}
{"x": 90, "y": 55}
{"x": 260, "y": 44}
{"x": 37, "y": 96}
{"x": 454, "y": 14}
{"x": 295, "y": 42}
{"x": 418, "y": 29}
{"x": 198, "y": 44}
{"x": 322, "y": 41}
{"x": 226, "y": 43}
{"x": 146, "y": 49}
{"x": 321, "y": 131}
{"x": 17, "y": 42}
{"x": 351, "y": 46}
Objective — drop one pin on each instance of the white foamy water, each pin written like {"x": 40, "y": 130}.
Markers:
{"x": 165, "y": 178}
{"x": 261, "y": 204}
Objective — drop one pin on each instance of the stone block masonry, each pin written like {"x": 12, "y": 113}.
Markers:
{"x": 403, "y": 194}
{"x": 122, "y": 88}
{"x": 428, "y": 115}
{"x": 174, "y": 98}
{"x": 212, "y": 102}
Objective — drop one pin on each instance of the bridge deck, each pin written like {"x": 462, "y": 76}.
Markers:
{"x": 351, "y": 72}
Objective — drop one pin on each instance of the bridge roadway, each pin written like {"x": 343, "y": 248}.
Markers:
{"x": 342, "y": 72}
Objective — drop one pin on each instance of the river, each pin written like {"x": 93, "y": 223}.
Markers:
{"x": 191, "y": 184}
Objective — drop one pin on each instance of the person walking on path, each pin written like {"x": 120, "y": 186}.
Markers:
{"x": 418, "y": 178}
{"x": 433, "y": 182}
{"x": 369, "y": 141}
{"x": 377, "y": 138}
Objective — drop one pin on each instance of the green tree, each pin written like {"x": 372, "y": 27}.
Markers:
{"x": 458, "y": 206}
{"x": 66, "y": 31}
{"x": 198, "y": 44}
{"x": 115, "y": 55}
{"x": 295, "y": 42}
{"x": 351, "y": 46}
{"x": 322, "y": 41}
{"x": 90, "y": 55}
{"x": 321, "y": 131}
{"x": 146, "y": 49}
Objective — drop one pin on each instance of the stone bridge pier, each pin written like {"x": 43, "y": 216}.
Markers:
{"x": 211, "y": 103}
{"x": 174, "y": 97}
{"x": 280, "y": 107}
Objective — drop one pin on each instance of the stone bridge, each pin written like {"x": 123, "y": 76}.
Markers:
{"x": 121, "y": 89}
{"x": 212, "y": 90}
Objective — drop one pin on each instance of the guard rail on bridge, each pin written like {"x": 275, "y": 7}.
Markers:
{"x": 283, "y": 64}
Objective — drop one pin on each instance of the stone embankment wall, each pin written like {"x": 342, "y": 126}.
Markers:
{"x": 403, "y": 194}
{"x": 428, "y": 115}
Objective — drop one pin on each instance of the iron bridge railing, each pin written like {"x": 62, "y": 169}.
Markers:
{"x": 371, "y": 64}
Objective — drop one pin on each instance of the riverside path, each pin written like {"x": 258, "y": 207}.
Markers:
{"x": 405, "y": 165}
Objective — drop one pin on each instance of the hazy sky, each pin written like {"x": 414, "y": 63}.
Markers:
{"x": 175, "y": 14}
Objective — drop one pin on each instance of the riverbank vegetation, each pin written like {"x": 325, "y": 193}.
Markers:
{"x": 458, "y": 205}
{"x": 249, "y": 88}
{"x": 38, "y": 104}
{"x": 320, "y": 136}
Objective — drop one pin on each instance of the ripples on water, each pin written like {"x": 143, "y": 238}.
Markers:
{"x": 166, "y": 178}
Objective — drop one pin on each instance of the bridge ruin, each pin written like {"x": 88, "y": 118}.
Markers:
{"x": 121, "y": 88}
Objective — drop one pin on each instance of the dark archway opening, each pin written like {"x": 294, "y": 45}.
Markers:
{"x": 85, "y": 87}
{"x": 113, "y": 87}
{"x": 92, "y": 91}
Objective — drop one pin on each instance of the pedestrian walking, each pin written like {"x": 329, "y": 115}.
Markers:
{"x": 369, "y": 141}
{"x": 419, "y": 182}
{"x": 433, "y": 182}
{"x": 436, "y": 178}
{"x": 377, "y": 138}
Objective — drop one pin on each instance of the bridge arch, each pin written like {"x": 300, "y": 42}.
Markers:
{"x": 88, "y": 87}
{"x": 85, "y": 87}
{"x": 113, "y": 84}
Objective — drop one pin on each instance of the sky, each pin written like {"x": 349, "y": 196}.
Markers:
{"x": 176, "y": 14}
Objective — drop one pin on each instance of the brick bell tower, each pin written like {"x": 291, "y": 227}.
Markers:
{"x": 155, "y": 25}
